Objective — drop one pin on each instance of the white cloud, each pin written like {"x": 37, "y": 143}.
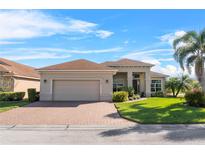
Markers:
{"x": 9, "y": 42}
{"x": 36, "y": 55}
{"x": 169, "y": 38}
{"x": 125, "y": 42}
{"x": 150, "y": 60}
{"x": 28, "y": 24}
{"x": 103, "y": 34}
{"x": 143, "y": 52}
{"x": 147, "y": 55}
{"x": 166, "y": 59}
{"x": 80, "y": 26}
{"x": 65, "y": 51}
{"x": 49, "y": 53}
{"x": 170, "y": 70}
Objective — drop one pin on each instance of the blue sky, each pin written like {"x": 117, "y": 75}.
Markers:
{"x": 45, "y": 37}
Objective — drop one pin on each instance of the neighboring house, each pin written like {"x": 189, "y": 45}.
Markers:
{"x": 83, "y": 80}
{"x": 17, "y": 77}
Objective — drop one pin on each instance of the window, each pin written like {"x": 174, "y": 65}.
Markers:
{"x": 118, "y": 83}
{"x": 156, "y": 86}
{"x": 136, "y": 76}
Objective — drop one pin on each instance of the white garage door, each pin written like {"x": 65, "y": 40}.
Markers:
{"x": 76, "y": 90}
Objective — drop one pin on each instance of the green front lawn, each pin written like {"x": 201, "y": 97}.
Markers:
{"x": 6, "y": 105}
{"x": 161, "y": 111}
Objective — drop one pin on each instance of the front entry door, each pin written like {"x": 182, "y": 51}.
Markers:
{"x": 136, "y": 85}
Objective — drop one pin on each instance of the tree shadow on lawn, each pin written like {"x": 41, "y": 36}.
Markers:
{"x": 173, "y": 114}
{"x": 166, "y": 117}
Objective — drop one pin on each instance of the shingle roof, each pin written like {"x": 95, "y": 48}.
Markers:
{"x": 17, "y": 69}
{"x": 156, "y": 74}
{"x": 3, "y": 69}
{"x": 80, "y": 64}
{"x": 126, "y": 62}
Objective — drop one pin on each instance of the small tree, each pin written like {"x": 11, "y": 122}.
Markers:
{"x": 178, "y": 84}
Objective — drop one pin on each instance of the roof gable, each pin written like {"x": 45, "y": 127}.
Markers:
{"x": 80, "y": 64}
{"x": 126, "y": 62}
{"x": 156, "y": 74}
{"x": 17, "y": 69}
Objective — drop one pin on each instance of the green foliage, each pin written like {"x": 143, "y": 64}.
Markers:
{"x": 161, "y": 111}
{"x": 8, "y": 105}
{"x": 33, "y": 95}
{"x": 194, "y": 84}
{"x": 195, "y": 98}
{"x": 178, "y": 84}
{"x": 37, "y": 96}
{"x": 130, "y": 90}
{"x": 11, "y": 96}
{"x": 120, "y": 96}
{"x": 136, "y": 96}
{"x": 158, "y": 94}
{"x": 190, "y": 51}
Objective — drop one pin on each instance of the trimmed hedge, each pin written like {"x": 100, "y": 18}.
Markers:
{"x": 195, "y": 98}
{"x": 11, "y": 96}
{"x": 33, "y": 95}
{"x": 158, "y": 94}
{"x": 120, "y": 96}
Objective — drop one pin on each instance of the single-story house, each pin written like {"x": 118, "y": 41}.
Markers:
{"x": 17, "y": 77}
{"x": 83, "y": 80}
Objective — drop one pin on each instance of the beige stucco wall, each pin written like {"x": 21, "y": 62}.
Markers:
{"x": 162, "y": 81}
{"x": 142, "y": 82}
{"x": 46, "y": 88}
{"x": 22, "y": 84}
{"x": 144, "y": 77}
{"x": 120, "y": 77}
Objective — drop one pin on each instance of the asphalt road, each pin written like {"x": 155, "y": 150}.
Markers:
{"x": 70, "y": 134}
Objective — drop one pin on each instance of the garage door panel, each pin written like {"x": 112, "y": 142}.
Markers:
{"x": 76, "y": 90}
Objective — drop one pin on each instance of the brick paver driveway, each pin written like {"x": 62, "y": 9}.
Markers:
{"x": 73, "y": 113}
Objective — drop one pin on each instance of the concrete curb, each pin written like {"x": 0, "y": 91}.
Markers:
{"x": 34, "y": 127}
{"x": 98, "y": 127}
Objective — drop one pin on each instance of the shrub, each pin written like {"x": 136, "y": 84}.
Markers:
{"x": 142, "y": 94}
{"x": 158, "y": 94}
{"x": 37, "y": 96}
{"x": 120, "y": 96}
{"x": 136, "y": 96}
{"x": 130, "y": 90}
{"x": 195, "y": 98}
{"x": 11, "y": 96}
{"x": 32, "y": 95}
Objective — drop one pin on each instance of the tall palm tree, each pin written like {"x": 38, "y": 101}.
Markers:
{"x": 190, "y": 51}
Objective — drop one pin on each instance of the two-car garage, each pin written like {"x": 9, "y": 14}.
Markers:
{"x": 79, "y": 80}
{"x": 76, "y": 90}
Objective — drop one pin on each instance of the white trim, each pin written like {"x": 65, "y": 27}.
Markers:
{"x": 27, "y": 77}
{"x": 130, "y": 66}
{"x": 74, "y": 79}
{"x": 77, "y": 70}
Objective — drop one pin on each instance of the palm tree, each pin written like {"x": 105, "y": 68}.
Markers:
{"x": 190, "y": 51}
{"x": 178, "y": 84}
